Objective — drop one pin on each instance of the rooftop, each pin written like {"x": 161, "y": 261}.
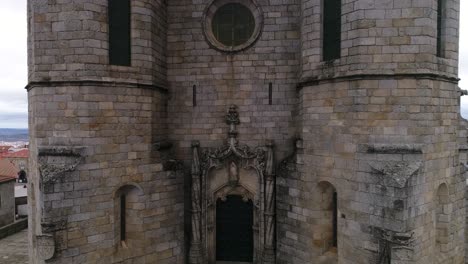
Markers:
{"x": 15, "y": 153}
{"x": 4, "y": 179}
{"x": 8, "y": 169}
{"x": 4, "y": 148}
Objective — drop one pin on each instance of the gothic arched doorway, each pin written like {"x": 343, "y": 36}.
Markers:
{"x": 234, "y": 229}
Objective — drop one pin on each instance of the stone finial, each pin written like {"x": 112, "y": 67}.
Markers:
{"x": 232, "y": 118}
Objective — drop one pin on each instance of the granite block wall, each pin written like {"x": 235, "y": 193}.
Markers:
{"x": 382, "y": 37}
{"x": 240, "y": 78}
{"x": 89, "y": 142}
{"x": 379, "y": 127}
{"x": 386, "y": 157}
{"x": 7, "y": 202}
{"x": 68, "y": 41}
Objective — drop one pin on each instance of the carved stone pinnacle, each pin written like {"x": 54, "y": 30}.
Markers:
{"x": 232, "y": 118}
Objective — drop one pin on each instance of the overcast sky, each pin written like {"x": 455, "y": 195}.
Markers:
{"x": 13, "y": 63}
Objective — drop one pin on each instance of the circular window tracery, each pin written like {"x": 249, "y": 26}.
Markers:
{"x": 232, "y": 25}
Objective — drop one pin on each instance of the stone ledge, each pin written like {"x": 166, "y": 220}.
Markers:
{"x": 13, "y": 228}
{"x": 34, "y": 84}
{"x": 313, "y": 81}
{"x": 391, "y": 148}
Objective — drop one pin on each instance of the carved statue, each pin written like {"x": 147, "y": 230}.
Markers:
{"x": 233, "y": 174}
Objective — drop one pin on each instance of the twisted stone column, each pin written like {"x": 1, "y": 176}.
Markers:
{"x": 195, "y": 254}
{"x": 269, "y": 252}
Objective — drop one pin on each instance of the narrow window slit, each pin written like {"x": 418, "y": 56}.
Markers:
{"x": 194, "y": 95}
{"x": 335, "y": 219}
{"x": 331, "y": 30}
{"x": 440, "y": 27}
{"x": 119, "y": 32}
{"x": 270, "y": 94}
{"x": 123, "y": 230}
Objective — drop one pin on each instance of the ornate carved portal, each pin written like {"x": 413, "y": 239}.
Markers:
{"x": 232, "y": 169}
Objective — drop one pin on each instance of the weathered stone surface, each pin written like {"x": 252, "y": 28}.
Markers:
{"x": 376, "y": 131}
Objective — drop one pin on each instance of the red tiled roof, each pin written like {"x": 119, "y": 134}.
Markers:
{"x": 8, "y": 169}
{"x": 24, "y": 153}
{"x": 4, "y": 148}
{"x": 6, "y": 179}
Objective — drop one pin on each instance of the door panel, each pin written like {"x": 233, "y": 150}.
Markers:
{"x": 234, "y": 233}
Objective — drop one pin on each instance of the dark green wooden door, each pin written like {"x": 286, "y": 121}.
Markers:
{"x": 234, "y": 234}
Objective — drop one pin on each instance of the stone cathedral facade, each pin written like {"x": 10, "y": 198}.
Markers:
{"x": 246, "y": 131}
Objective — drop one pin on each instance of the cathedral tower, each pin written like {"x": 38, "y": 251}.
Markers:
{"x": 97, "y": 92}
{"x": 256, "y": 131}
{"x": 377, "y": 171}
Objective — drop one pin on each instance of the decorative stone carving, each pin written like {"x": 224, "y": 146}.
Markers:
{"x": 50, "y": 227}
{"x": 45, "y": 247}
{"x": 232, "y": 158}
{"x": 392, "y": 243}
{"x": 195, "y": 246}
{"x": 162, "y": 145}
{"x": 232, "y": 118}
{"x": 269, "y": 205}
{"x": 173, "y": 165}
{"x": 391, "y": 148}
{"x": 222, "y": 194}
{"x": 464, "y": 167}
{"x": 207, "y": 19}
{"x": 395, "y": 173}
{"x": 233, "y": 174}
{"x": 55, "y": 161}
{"x": 462, "y": 92}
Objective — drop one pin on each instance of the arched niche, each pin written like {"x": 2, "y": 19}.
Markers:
{"x": 326, "y": 233}
{"x": 128, "y": 204}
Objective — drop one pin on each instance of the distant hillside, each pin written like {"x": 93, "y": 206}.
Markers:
{"x": 13, "y": 134}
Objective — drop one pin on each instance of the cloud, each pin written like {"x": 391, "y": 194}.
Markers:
{"x": 13, "y": 64}
{"x": 14, "y": 120}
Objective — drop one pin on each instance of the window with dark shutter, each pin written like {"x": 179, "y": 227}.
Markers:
{"x": 331, "y": 29}
{"x": 119, "y": 32}
{"x": 440, "y": 19}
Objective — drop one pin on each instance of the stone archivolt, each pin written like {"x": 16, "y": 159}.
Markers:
{"x": 233, "y": 163}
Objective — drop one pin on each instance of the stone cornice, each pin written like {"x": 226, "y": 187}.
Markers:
{"x": 35, "y": 84}
{"x": 312, "y": 81}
